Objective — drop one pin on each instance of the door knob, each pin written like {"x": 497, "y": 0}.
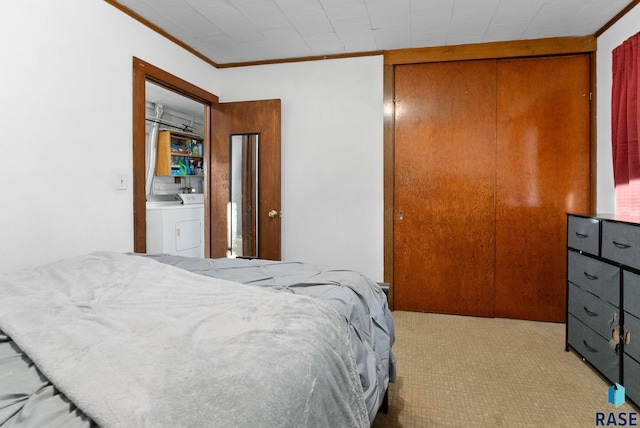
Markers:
{"x": 273, "y": 214}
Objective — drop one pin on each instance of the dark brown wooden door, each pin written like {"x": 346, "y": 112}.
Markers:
{"x": 543, "y": 172}
{"x": 444, "y": 226}
{"x": 250, "y": 117}
{"x": 489, "y": 158}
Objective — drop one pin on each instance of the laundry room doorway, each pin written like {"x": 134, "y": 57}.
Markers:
{"x": 175, "y": 173}
{"x": 222, "y": 122}
{"x": 191, "y": 166}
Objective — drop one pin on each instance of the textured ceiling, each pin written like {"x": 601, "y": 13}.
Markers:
{"x": 232, "y": 31}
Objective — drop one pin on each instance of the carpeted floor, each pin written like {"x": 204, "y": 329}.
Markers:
{"x": 457, "y": 371}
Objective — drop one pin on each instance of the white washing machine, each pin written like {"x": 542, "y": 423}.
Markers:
{"x": 176, "y": 227}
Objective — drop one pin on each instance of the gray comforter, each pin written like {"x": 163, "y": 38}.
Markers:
{"x": 359, "y": 300}
{"x": 288, "y": 360}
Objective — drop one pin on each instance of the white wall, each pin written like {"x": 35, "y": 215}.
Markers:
{"x": 66, "y": 85}
{"x": 66, "y": 109}
{"x": 607, "y": 42}
{"x": 332, "y": 156}
{"x": 66, "y": 132}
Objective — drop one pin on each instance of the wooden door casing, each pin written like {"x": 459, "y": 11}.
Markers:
{"x": 247, "y": 117}
{"x": 143, "y": 72}
{"x": 444, "y": 187}
{"x": 543, "y": 172}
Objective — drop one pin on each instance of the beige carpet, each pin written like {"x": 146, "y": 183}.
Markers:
{"x": 456, "y": 371}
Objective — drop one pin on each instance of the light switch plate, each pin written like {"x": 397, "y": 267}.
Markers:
{"x": 121, "y": 181}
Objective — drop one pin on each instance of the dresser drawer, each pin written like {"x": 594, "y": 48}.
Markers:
{"x": 595, "y": 276}
{"x": 584, "y": 234}
{"x": 632, "y": 325}
{"x": 592, "y": 311}
{"x": 631, "y": 378}
{"x": 621, "y": 243}
{"x": 631, "y": 283}
{"x": 593, "y": 348}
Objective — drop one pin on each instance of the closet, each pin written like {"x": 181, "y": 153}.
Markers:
{"x": 489, "y": 156}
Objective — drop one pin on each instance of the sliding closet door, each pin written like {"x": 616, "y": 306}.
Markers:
{"x": 543, "y": 168}
{"x": 444, "y": 223}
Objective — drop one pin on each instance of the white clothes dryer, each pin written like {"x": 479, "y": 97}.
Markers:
{"x": 177, "y": 228}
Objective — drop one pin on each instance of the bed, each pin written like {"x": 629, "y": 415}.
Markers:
{"x": 109, "y": 339}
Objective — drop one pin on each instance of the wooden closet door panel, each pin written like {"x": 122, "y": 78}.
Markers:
{"x": 543, "y": 168}
{"x": 444, "y": 186}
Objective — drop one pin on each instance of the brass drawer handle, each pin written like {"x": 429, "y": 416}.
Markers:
{"x": 621, "y": 246}
{"x": 591, "y": 314}
{"x": 591, "y": 277}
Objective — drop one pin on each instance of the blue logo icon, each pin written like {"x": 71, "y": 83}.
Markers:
{"x": 616, "y": 395}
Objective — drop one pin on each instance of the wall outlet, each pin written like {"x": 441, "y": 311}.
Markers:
{"x": 121, "y": 181}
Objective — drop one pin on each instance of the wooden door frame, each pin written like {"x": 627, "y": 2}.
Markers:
{"x": 144, "y": 72}
{"x": 496, "y": 50}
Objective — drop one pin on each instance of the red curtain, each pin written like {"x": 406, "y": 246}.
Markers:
{"x": 625, "y": 123}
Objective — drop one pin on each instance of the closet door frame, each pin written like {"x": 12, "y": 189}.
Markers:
{"x": 496, "y": 50}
